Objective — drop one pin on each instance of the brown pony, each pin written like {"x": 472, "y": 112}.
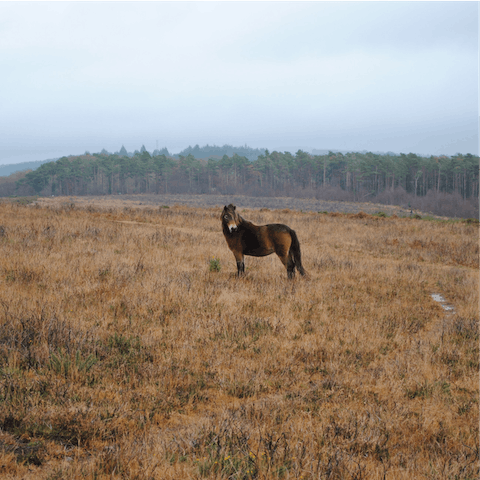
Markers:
{"x": 245, "y": 238}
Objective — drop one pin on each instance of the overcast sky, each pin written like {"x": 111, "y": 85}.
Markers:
{"x": 377, "y": 76}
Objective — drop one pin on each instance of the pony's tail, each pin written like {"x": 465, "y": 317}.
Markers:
{"x": 295, "y": 251}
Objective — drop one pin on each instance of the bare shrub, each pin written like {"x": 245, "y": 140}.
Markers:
{"x": 329, "y": 192}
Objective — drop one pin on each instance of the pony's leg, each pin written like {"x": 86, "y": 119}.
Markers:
{"x": 240, "y": 264}
{"x": 289, "y": 264}
{"x": 290, "y": 268}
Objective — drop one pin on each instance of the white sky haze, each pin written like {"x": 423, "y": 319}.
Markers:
{"x": 378, "y": 76}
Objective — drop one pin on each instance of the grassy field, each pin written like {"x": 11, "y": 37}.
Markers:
{"x": 129, "y": 349}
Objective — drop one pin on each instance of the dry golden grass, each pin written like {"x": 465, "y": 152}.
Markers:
{"x": 123, "y": 356}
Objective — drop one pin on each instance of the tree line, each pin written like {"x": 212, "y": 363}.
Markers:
{"x": 350, "y": 176}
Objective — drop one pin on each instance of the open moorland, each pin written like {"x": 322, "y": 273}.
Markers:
{"x": 130, "y": 349}
{"x": 300, "y": 204}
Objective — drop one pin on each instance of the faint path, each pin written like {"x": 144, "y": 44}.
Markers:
{"x": 167, "y": 227}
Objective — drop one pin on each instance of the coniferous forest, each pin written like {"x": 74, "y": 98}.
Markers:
{"x": 440, "y": 185}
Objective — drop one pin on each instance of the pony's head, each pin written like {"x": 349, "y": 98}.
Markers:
{"x": 230, "y": 218}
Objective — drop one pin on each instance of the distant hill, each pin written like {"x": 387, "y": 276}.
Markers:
{"x": 317, "y": 151}
{"x": 6, "y": 170}
{"x": 217, "y": 151}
